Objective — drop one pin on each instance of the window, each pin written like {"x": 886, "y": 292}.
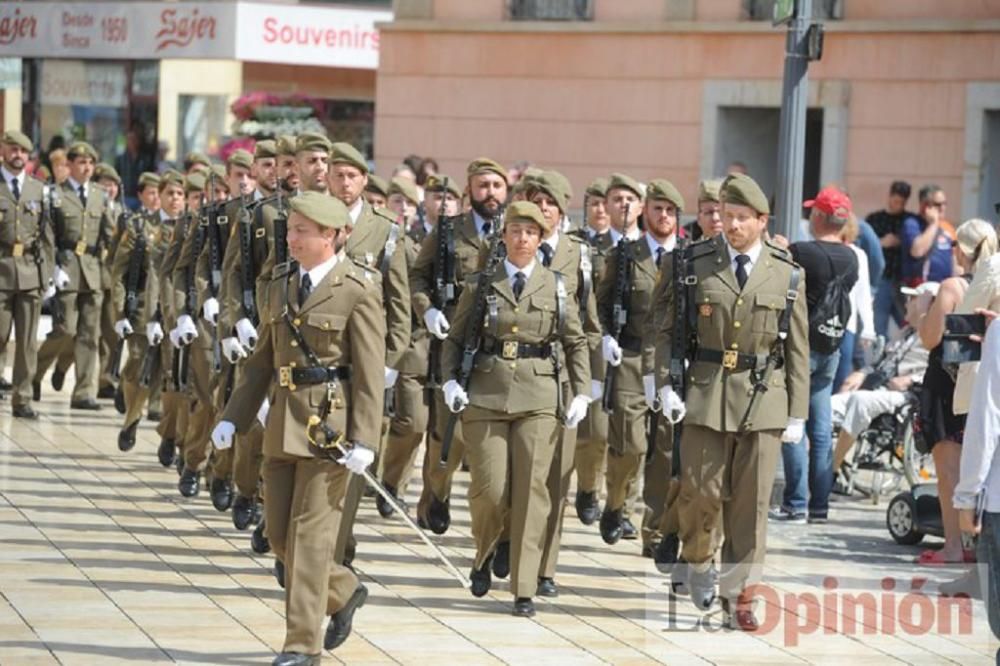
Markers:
{"x": 551, "y": 10}
{"x": 201, "y": 124}
{"x": 763, "y": 10}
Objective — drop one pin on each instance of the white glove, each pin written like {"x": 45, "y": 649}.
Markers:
{"x": 358, "y": 459}
{"x": 154, "y": 333}
{"x": 649, "y": 390}
{"x": 246, "y": 333}
{"x": 673, "y": 407}
{"x": 577, "y": 410}
{"x": 596, "y": 389}
{"x": 391, "y": 375}
{"x": 222, "y": 435}
{"x": 794, "y": 431}
{"x": 186, "y": 330}
{"x": 50, "y": 291}
{"x": 175, "y": 339}
{"x": 123, "y": 327}
{"x": 265, "y": 407}
{"x": 611, "y": 351}
{"x": 233, "y": 350}
{"x": 61, "y": 278}
{"x": 210, "y": 311}
{"x": 437, "y": 323}
{"x": 455, "y": 396}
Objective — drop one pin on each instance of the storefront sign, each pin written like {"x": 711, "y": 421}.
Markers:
{"x": 260, "y": 32}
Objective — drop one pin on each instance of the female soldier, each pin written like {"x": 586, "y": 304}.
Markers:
{"x": 510, "y": 423}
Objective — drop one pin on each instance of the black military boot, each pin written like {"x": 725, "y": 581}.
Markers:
{"x": 258, "y": 540}
{"x": 501, "y": 560}
{"x": 222, "y": 494}
{"x": 189, "y": 483}
{"x": 481, "y": 579}
{"x": 665, "y": 553}
{"x": 120, "y": 400}
{"x": 384, "y": 508}
{"x": 243, "y": 512}
{"x": 166, "y": 452}
{"x": 126, "y": 437}
{"x": 587, "y": 508}
{"x": 611, "y": 526}
{"x": 340, "y": 622}
{"x": 439, "y": 515}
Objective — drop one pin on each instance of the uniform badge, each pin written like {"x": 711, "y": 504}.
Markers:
{"x": 369, "y": 258}
{"x": 705, "y": 310}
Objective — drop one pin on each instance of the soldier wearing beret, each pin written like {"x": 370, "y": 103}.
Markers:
{"x": 747, "y": 389}
{"x": 486, "y": 184}
{"x": 404, "y": 200}
{"x": 108, "y": 179}
{"x": 83, "y": 231}
{"x": 709, "y": 221}
{"x": 288, "y": 168}
{"x": 26, "y": 263}
{"x": 195, "y": 161}
{"x": 319, "y": 357}
{"x": 377, "y": 191}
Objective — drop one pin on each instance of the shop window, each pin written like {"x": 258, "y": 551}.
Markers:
{"x": 551, "y": 10}
{"x": 201, "y": 123}
{"x": 823, "y": 10}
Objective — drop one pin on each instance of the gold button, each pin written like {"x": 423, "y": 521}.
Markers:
{"x": 707, "y": 300}
{"x": 291, "y": 387}
{"x": 513, "y": 329}
{"x": 292, "y": 364}
{"x": 294, "y": 343}
{"x": 326, "y": 324}
{"x": 297, "y": 321}
{"x": 513, "y": 366}
{"x": 736, "y": 324}
{"x": 734, "y": 346}
{"x": 739, "y": 301}
{"x": 517, "y": 310}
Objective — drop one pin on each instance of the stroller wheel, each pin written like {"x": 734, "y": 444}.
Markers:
{"x": 900, "y": 520}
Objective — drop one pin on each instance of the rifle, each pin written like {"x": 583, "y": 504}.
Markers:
{"x": 444, "y": 291}
{"x": 150, "y": 359}
{"x": 281, "y": 233}
{"x": 473, "y": 334}
{"x": 133, "y": 278}
{"x": 248, "y": 270}
{"x": 619, "y": 313}
{"x": 182, "y": 357}
{"x": 683, "y": 340}
{"x": 49, "y": 204}
{"x": 215, "y": 250}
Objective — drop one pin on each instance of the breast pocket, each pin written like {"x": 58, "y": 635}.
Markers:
{"x": 766, "y": 310}
{"x": 542, "y": 312}
{"x": 710, "y": 306}
{"x": 324, "y": 332}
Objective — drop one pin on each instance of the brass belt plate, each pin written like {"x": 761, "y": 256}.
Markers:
{"x": 81, "y": 248}
{"x": 509, "y": 350}
{"x": 18, "y": 249}
{"x": 729, "y": 359}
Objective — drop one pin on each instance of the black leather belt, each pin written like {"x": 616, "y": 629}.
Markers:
{"x": 630, "y": 343}
{"x": 290, "y": 377}
{"x": 512, "y": 349}
{"x": 732, "y": 360}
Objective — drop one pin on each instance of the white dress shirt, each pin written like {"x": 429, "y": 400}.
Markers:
{"x": 753, "y": 253}
{"x": 513, "y": 270}
{"x": 355, "y": 211}
{"x": 655, "y": 245}
{"x": 317, "y": 273}
{"x": 979, "y": 481}
{"x": 76, "y": 187}
{"x": 8, "y": 177}
{"x": 479, "y": 223}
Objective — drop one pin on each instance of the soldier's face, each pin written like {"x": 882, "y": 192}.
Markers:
{"x": 742, "y": 225}
{"x": 661, "y": 219}
{"x": 194, "y": 200}
{"x": 487, "y": 191}
{"x": 81, "y": 168}
{"x": 149, "y": 197}
{"x": 265, "y": 173}
{"x": 288, "y": 172}
{"x": 14, "y": 157}
{"x": 347, "y": 183}
{"x": 110, "y": 187}
{"x": 172, "y": 200}
{"x": 400, "y": 205}
{"x": 309, "y": 243}
{"x": 312, "y": 170}
{"x": 617, "y": 200}
{"x": 710, "y": 218}
{"x": 433, "y": 202}
{"x": 239, "y": 180}
{"x": 522, "y": 240}
{"x": 374, "y": 199}
{"x": 549, "y": 207}
{"x": 597, "y": 213}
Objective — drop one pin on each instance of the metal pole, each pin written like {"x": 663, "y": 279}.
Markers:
{"x": 792, "y": 131}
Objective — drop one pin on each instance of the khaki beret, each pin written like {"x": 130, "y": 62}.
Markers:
{"x": 195, "y": 182}
{"x": 240, "y": 158}
{"x": 743, "y": 190}
{"x": 597, "y": 188}
{"x": 322, "y": 209}
{"x": 195, "y": 157}
{"x": 708, "y": 190}
{"x": 286, "y": 144}
{"x": 406, "y": 187}
{"x": 661, "y": 188}
{"x": 525, "y": 211}
{"x": 435, "y": 183}
{"x": 485, "y": 165}
{"x": 377, "y": 185}
{"x": 344, "y": 153}
{"x": 556, "y": 186}
{"x": 105, "y": 170}
{"x": 171, "y": 177}
{"x": 220, "y": 177}
{"x": 148, "y": 179}
{"x": 18, "y": 138}
{"x": 622, "y": 181}
{"x": 265, "y": 148}
{"x": 312, "y": 141}
{"x": 81, "y": 149}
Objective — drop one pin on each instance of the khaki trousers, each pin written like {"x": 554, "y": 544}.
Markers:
{"x": 560, "y": 476}
{"x": 437, "y": 479}
{"x": 591, "y": 449}
{"x": 77, "y": 335}
{"x": 660, "y": 490}
{"x": 19, "y": 313}
{"x": 731, "y": 474}
{"x": 406, "y": 431}
{"x": 109, "y": 339}
{"x": 510, "y": 456}
{"x": 201, "y": 404}
{"x": 303, "y": 512}
{"x": 248, "y": 456}
{"x": 136, "y": 395}
{"x": 627, "y": 444}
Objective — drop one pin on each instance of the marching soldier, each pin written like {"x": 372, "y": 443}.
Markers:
{"x": 148, "y": 189}
{"x": 109, "y": 180}
{"x": 487, "y": 189}
{"x": 747, "y": 390}
{"x": 512, "y": 401}
{"x": 83, "y": 233}
{"x": 709, "y": 221}
{"x": 319, "y": 357}
{"x": 377, "y": 192}
{"x": 26, "y": 263}
{"x": 404, "y": 200}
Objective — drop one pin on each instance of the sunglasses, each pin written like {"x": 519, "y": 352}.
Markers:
{"x": 936, "y": 204}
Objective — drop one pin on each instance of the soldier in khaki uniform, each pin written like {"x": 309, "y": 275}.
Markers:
{"x": 513, "y": 405}
{"x": 411, "y": 418}
{"x": 487, "y": 189}
{"x": 377, "y": 191}
{"x": 320, "y": 356}
{"x": 404, "y": 200}
{"x": 26, "y": 263}
{"x": 745, "y": 294}
{"x": 108, "y": 179}
{"x": 709, "y": 222}
{"x": 83, "y": 234}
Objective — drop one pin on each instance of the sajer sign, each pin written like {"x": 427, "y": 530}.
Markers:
{"x": 249, "y": 31}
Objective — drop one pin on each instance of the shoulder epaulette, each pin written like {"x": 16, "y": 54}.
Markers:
{"x": 779, "y": 252}
{"x": 385, "y": 213}
{"x": 282, "y": 270}
{"x": 362, "y": 273}
{"x": 700, "y": 248}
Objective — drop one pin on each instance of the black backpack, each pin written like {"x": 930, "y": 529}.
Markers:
{"x": 828, "y": 318}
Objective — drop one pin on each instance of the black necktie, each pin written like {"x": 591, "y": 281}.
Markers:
{"x": 519, "y": 280}
{"x": 487, "y": 226}
{"x": 547, "y": 253}
{"x": 305, "y": 286}
{"x": 659, "y": 256}
{"x": 15, "y": 189}
{"x": 83, "y": 195}
{"x": 741, "y": 268}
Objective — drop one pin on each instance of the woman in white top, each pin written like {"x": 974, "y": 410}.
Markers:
{"x": 862, "y": 322}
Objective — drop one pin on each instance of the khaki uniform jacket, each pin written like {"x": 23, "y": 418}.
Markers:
{"x": 600, "y": 246}
{"x": 168, "y": 298}
{"x": 118, "y": 219}
{"x": 149, "y": 226}
{"x": 19, "y": 223}
{"x": 567, "y": 262}
{"x": 639, "y": 304}
{"x": 468, "y": 247}
{"x": 744, "y": 321}
{"x": 343, "y": 324}
{"x": 415, "y": 359}
{"x": 262, "y": 216}
{"x": 367, "y": 245}
{"x": 522, "y": 385}
{"x": 75, "y": 225}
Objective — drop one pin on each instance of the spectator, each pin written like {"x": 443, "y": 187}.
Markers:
{"x": 926, "y": 241}
{"x": 428, "y": 168}
{"x": 860, "y": 330}
{"x": 162, "y": 163}
{"x": 130, "y": 164}
{"x": 60, "y": 166}
{"x": 825, "y": 261}
{"x": 943, "y": 428}
{"x": 869, "y": 243}
{"x": 888, "y": 226}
